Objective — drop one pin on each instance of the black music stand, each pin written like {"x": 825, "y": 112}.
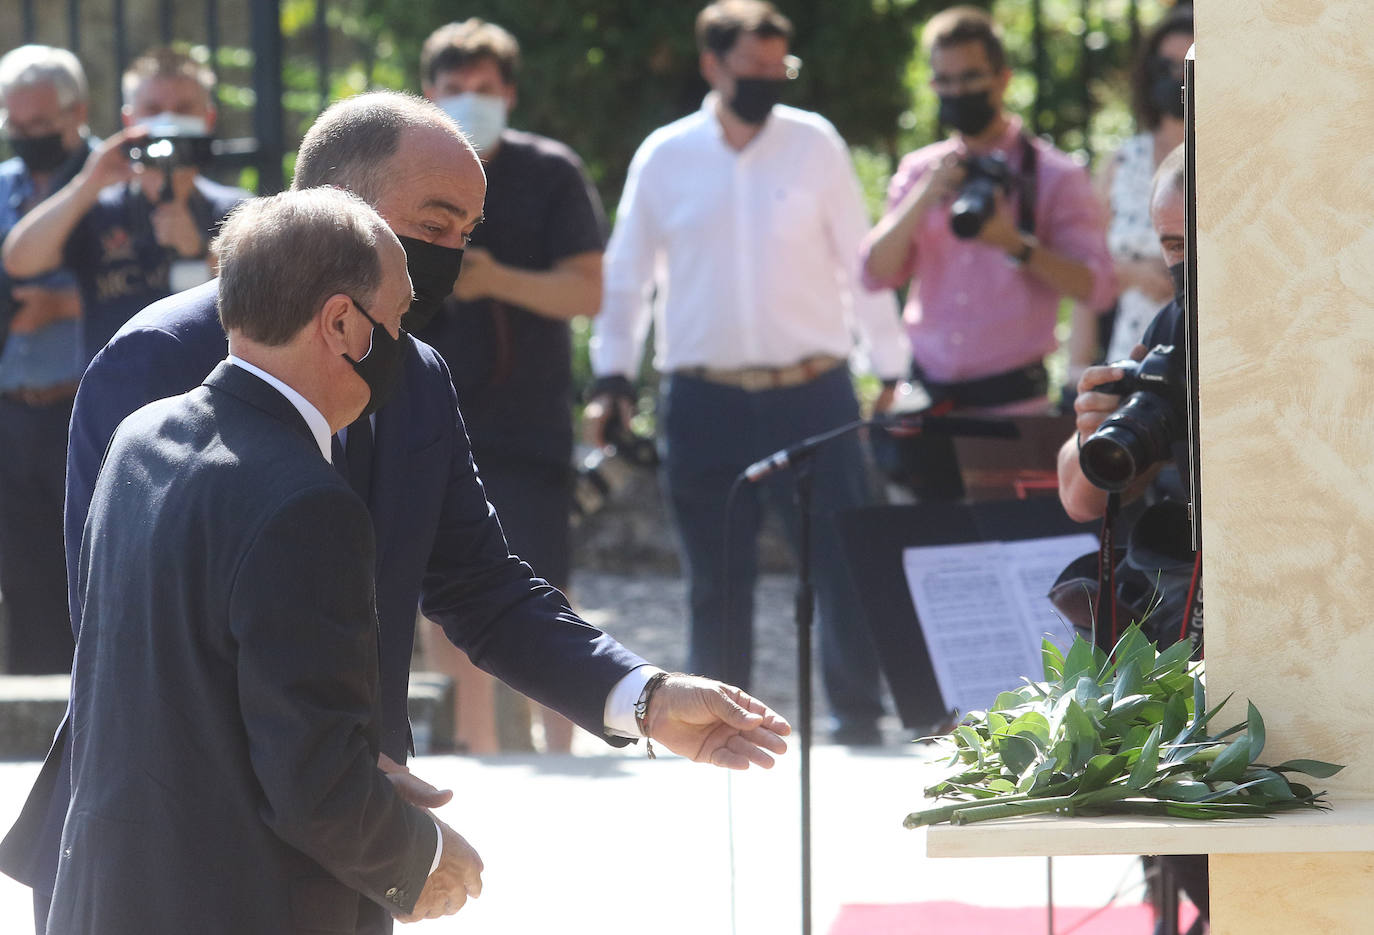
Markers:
{"x": 872, "y": 540}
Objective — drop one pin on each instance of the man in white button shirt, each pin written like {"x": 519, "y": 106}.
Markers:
{"x": 746, "y": 218}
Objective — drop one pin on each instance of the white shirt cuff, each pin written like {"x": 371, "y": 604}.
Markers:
{"x": 438, "y": 847}
{"x": 619, "y": 715}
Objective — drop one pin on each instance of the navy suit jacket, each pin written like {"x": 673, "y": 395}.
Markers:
{"x": 224, "y": 717}
{"x": 439, "y": 545}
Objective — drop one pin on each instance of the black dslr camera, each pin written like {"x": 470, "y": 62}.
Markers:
{"x": 1139, "y": 434}
{"x": 172, "y": 151}
{"x": 977, "y": 200}
{"x": 167, "y": 148}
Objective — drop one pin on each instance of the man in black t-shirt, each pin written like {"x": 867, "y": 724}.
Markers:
{"x": 531, "y": 266}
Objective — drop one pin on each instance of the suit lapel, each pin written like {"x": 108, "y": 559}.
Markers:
{"x": 257, "y": 393}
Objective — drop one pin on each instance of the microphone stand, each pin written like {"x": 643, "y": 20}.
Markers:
{"x": 798, "y": 457}
{"x": 805, "y": 615}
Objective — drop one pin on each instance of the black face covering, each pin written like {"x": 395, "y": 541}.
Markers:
{"x": 1166, "y": 88}
{"x": 40, "y": 153}
{"x": 1178, "y": 273}
{"x": 754, "y": 98}
{"x": 969, "y": 113}
{"x": 433, "y": 271}
{"x": 380, "y": 367}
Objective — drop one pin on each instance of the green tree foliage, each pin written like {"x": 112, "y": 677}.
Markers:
{"x": 601, "y": 74}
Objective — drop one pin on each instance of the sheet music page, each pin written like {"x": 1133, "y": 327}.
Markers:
{"x": 983, "y": 611}
{"x": 1033, "y": 565}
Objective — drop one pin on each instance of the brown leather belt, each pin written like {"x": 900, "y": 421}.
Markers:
{"x": 44, "y": 396}
{"x": 754, "y": 379}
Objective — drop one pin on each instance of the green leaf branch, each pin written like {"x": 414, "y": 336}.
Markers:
{"x": 1118, "y": 734}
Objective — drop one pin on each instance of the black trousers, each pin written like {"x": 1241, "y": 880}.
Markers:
{"x": 33, "y": 564}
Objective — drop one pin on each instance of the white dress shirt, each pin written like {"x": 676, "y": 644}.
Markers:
{"x": 754, "y": 254}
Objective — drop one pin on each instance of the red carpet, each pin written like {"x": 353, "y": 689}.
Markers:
{"x": 948, "y": 918}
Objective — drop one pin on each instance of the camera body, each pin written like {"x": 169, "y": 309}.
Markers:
{"x": 1141, "y": 432}
{"x": 172, "y": 151}
{"x": 977, "y": 199}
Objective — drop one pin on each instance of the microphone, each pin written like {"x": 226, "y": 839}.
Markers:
{"x": 903, "y": 425}
{"x": 774, "y": 462}
{"x": 784, "y": 458}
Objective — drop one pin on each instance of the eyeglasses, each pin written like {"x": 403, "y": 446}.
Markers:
{"x": 969, "y": 80}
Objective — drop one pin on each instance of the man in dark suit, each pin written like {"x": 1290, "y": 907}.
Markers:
{"x": 224, "y": 716}
{"x": 439, "y": 543}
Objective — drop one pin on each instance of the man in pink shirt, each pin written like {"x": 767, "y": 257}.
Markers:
{"x": 981, "y": 311}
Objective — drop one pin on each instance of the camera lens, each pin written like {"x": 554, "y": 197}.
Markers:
{"x": 971, "y": 210}
{"x": 1131, "y": 439}
{"x": 1107, "y": 459}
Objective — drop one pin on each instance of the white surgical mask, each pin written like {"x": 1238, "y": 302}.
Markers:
{"x": 170, "y": 124}
{"x": 482, "y": 117}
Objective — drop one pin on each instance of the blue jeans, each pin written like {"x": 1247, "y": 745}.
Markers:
{"x": 709, "y": 434}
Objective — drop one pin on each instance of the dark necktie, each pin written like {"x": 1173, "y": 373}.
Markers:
{"x": 358, "y": 457}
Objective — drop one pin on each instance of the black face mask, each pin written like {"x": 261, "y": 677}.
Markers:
{"x": 40, "y": 153}
{"x": 1178, "y": 273}
{"x": 970, "y": 113}
{"x": 433, "y": 271}
{"x": 380, "y": 367}
{"x": 1166, "y": 88}
{"x": 754, "y": 98}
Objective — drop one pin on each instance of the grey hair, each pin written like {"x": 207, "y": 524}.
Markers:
{"x": 283, "y": 256}
{"x": 350, "y": 144}
{"x": 32, "y": 65}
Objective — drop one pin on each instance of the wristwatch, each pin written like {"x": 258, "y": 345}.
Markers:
{"x": 1022, "y": 256}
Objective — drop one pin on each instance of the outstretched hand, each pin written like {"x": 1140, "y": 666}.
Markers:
{"x": 711, "y": 722}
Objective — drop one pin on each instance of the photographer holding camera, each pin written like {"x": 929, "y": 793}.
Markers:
{"x": 1132, "y": 442}
{"x": 991, "y": 227}
{"x": 134, "y": 225}
{"x": 1116, "y": 467}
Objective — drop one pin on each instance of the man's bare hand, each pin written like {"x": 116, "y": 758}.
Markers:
{"x": 109, "y": 162}
{"x": 711, "y": 722}
{"x": 411, "y": 787}
{"x": 458, "y": 876}
{"x": 1000, "y": 229}
{"x": 945, "y": 179}
{"x": 1092, "y": 408}
{"x": 175, "y": 227}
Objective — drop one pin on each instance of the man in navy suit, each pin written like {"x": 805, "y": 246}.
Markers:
{"x": 229, "y": 636}
{"x": 439, "y": 544}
